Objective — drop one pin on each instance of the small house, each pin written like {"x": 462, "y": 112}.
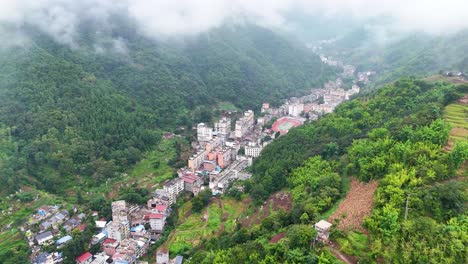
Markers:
{"x": 323, "y": 229}
{"x": 85, "y": 258}
{"x": 162, "y": 256}
{"x": 44, "y": 237}
{"x": 63, "y": 240}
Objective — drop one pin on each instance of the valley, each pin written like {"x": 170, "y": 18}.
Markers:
{"x": 145, "y": 132}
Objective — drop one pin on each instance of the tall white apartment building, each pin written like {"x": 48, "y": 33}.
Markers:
{"x": 244, "y": 124}
{"x": 204, "y": 132}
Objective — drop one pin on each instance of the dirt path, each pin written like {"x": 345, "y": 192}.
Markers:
{"x": 206, "y": 216}
{"x": 342, "y": 256}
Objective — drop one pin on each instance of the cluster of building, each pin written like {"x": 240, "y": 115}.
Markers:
{"x": 54, "y": 227}
{"x": 187, "y": 180}
{"x": 319, "y": 101}
{"x": 128, "y": 236}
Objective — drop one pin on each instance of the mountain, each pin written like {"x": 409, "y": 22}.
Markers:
{"x": 84, "y": 112}
{"x": 393, "y": 57}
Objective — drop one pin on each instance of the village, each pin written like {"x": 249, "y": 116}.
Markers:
{"x": 220, "y": 156}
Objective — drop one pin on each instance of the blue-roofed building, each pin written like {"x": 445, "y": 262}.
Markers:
{"x": 63, "y": 240}
{"x": 138, "y": 228}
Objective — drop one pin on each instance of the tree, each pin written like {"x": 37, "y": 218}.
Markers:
{"x": 300, "y": 236}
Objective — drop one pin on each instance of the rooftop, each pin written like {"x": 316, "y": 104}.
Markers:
{"x": 84, "y": 257}
{"x": 155, "y": 216}
{"x": 44, "y": 235}
{"x": 324, "y": 225}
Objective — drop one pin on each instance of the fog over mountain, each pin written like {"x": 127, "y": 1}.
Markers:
{"x": 167, "y": 18}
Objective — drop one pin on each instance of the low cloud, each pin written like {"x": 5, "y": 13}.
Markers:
{"x": 167, "y": 18}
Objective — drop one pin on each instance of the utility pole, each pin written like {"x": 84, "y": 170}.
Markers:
{"x": 406, "y": 207}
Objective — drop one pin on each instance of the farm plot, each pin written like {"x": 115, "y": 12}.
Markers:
{"x": 356, "y": 205}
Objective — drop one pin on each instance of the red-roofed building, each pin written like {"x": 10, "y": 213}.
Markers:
{"x": 162, "y": 209}
{"x": 81, "y": 227}
{"x": 156, "y": 221}
{"x": 109, "y": 246}
{"x": 190, "y": 180}
{"x": 84, "y": 258}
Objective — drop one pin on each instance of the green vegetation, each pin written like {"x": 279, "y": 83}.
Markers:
{"x": 418, "y": 54}
{"x": 76, "y": 117}
{"x": 227, "y": 106}
{"x": 219, "y": 216}
{"x": 396, "y": 136}
{"x": 354, "y": 244}
{"x": 13, "y": 246}
{"x": 457, "y": 115}
{"x": 155, "y": 165}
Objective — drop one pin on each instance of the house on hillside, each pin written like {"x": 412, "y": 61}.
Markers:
{"x": 109, "y": 246}
{"x": 162, "y": 256}
{"x": 156, "y": 221}
{"x": 44, "y": 237}
{"x": 85, "y": 258}
{"x": 323, "y": 229}
{"x": 62, "y": 241}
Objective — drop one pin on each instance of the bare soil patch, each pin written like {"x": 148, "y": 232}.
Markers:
{"x": 276, "y": 202}
{"x": 356, "y": 206}
{"x": 277, "y": 237}
{"x": 464, "y": 99}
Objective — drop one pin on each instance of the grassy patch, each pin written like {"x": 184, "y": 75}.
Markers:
{"x": 154, "y": 168}
{"x": 227, "y": 106}
{"x": 355, "y": 244}
{"x": 192, "y": 229}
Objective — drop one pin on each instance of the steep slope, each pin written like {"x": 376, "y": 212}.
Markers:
{"x": 404, "y": 55}
{"x": 92, "y": 109}
{"x": 394, "y": 137}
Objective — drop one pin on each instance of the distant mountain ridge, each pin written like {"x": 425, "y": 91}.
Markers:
{"x": 416, "y": 54}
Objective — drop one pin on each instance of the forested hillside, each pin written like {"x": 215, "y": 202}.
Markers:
{"x": 395, "y": 135}
{"x": 417, "y": 54}
{"x": 83, "y": 113}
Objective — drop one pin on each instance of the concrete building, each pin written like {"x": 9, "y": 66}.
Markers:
{"x": 354, "y": 90}
{"x": 244, "y": 124}
{"x": 223, "y": 126}
{"x": 223, "y": 157}
{"x": 348, "y": 70}
{"x": 204, "y": 132}
{"x": 323, "y": 229}
{"x": 44, "y": 237}
{"x": 196, "y": 160}
{"x": 295, "y": 109}
{"x": 159, "y": 197}
{"x": 191, "y": 181}
{"x": 100, "y": 259}
{"x": 119, "y": 211}
{"x": 162, "y": 256}
{"x": 134, "y": 248}
{"x": 173, "y": 188}
{"x": 118, "y": 230}
{"x": 156, "y": 221}
{"x": 265, "y": 108}
{"x": 109, "y": 246}
{"x": 253, "y": 151}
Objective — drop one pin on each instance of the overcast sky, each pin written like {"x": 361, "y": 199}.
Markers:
{"x": 162, "y": 18}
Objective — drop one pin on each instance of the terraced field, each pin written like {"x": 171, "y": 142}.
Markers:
{"x": 219, "y": 216}
{"x": 457, "y": 115}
